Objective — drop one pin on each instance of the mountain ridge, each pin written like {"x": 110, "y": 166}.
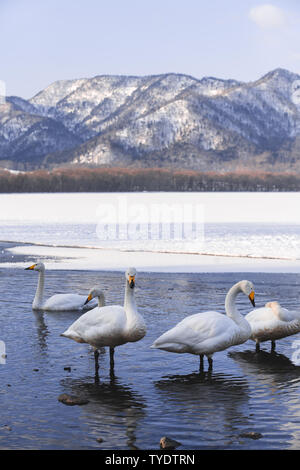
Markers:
{"x": 167, "y": 120}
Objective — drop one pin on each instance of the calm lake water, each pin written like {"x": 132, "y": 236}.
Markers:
{"x": 153, "y": 393}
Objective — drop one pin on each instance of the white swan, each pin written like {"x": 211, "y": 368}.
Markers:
{"x": 272, "y": 322}
{"x": 112, "y": 325}
{"x": 96, "y": 293}
{"x": 58, "y": 302}
{"x": 208, "y": 332}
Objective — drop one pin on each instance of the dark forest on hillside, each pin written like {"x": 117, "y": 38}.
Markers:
{"x": 128, "y": 180}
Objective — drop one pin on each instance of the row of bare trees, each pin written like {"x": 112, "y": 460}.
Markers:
{"x": 149, "y": 179}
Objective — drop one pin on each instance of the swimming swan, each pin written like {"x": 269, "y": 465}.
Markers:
{"x": 111, "y": 325}
{"x": 272, "y": 322}
{"x": 58, "y": 302}
{"x": 208, "y": 332}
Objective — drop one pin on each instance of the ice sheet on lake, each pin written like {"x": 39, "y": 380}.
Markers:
{"x": 234, "y": 230}
{"x": 115, "y": 260}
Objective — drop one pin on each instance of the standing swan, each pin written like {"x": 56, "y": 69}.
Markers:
{"x": 111, "y": 325}
{"x": 58, "y": 302}
{"x": 208, "y": 332}
{"x": 272, "y": 322}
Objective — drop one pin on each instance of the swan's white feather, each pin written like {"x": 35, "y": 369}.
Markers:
{"x": 105, "y": 326}
{"x": 65, "y": 302}
{"x": 202, "y": 333}
{"x": 272, "y": 323}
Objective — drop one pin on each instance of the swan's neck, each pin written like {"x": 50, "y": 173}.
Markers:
{"x": 129, "y": 301}
{"x": 38, "y": 299}
{"x": 136, "y": 326}
{"x": 101, "y": 300}
{"x": 231, "y": 310}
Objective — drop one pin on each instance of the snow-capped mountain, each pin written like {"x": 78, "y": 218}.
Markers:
{"x": 170, "y": 120}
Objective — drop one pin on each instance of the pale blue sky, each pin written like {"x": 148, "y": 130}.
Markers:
{"x": 47, "y": 40}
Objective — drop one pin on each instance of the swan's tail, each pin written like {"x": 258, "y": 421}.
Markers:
{"x": 168, "y": 345}
{"x": 72, "y": 335}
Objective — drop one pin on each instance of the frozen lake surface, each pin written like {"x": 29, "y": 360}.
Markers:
{"x": 174, "y": 232}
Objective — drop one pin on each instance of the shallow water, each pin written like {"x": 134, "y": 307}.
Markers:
{"x": 153, "y": 393}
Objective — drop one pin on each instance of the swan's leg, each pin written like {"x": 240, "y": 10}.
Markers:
{"x": 96, "y": 355}
{"x": 273, "y": 345}
{"x": 201, "y": 362}
{"x": 111, "y": 356}
{"x": 210, "y": 363}
{"x": 257, "y": 347}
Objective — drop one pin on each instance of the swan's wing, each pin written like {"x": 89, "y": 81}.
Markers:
{"x": 64, "y": 302}
{"x": 288, "y": 315}
{"x": 99, "y": 327}
{"x": 263, "y": 322}
{"x": 202, "y": 333}
{"x": 269, "y": 325}
{"x": 262, "y": 314}
{"x": 267, "y": 314}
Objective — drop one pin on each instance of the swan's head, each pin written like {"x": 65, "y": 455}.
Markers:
{"x": 275, "y": 306}
{"x": 130, "y": 277}
{"x": 248, "y": 288}
{"x": 36, "y": 267}
{"x": 95, "y": 292}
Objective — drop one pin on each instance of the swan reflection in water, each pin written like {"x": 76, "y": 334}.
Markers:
{"x": 213, "y": 407}
{"x": 270, "y": 370}
{"x": 112, "y": 408}
{"x": 42, "y": 330}
{"x": 274, "y": 375}
{"x": 266, "y": 364}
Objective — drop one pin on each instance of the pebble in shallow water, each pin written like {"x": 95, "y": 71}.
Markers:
{"x": 6, "y": 427}
{"x": 168, "y": 443}
{"x": 71, "y": 400}
{"x": 251, "y": 435}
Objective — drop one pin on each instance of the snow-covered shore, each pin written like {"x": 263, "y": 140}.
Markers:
{"x": 237, "y": 232}
{"x": 115, "y": 260}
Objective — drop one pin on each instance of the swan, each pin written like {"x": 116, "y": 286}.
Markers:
{"x": 112, "y": 325}
{"x": 58, "y": 302}
{"x": 96, "y": 293}
{"x": 208, "y": 332}
{"x": 272, "y": 322}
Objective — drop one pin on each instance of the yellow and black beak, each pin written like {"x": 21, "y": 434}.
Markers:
{"x": 251, "y": 298}
{"x": 30, "y": 267}
{"x": 131, "y": 281}
{"x": 88, "y": 299}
